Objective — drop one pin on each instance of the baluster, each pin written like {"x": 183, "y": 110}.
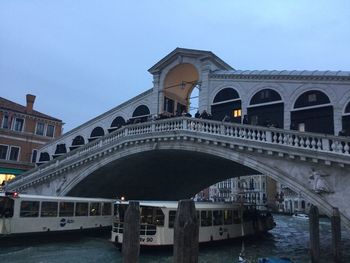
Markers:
{"x": 340, "y": 147}
{"x": 249, "y": 134}
{"x": 280, "y": 139}
{"x": 313, "y": 143}
{"x": 263, "y": 136}
{"x": 258, "y": 135}
{"x": 346, "y": 148}
{"x": 274, "y": 137}
{"x": 286, "y": 139}
{"x": 296, "y": 141}
{"x": 254, "y": 135}
{"x": 307, "y": 142}
{"x": 301, "y": 142}
{"x": 319, "y": 144}
{"x": 237, "y": 132}
{"x": 333, "y": 146}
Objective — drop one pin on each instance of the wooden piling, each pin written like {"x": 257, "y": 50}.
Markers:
{"x": 186, "y": 229}
{"x": 131, "y": 233}
{"x": 314, "y": 234}
{"x": 336, "y": 235}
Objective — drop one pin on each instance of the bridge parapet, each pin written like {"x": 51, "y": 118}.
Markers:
{"x": 335, "y": 149}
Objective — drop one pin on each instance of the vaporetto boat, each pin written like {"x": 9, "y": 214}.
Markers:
{"x": 22, "y": 214}
{"x": 217, "y": 221}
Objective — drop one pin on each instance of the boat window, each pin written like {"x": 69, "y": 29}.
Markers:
{"x": 95, "y": 209}
{"x": 49, "y": 209}
{"x": 172, "y": 216}
{"x": 152, "y": 215}
{"x": 107, "y": 209}
{"x": 66, "y": 209}
{"x": 206, "y": 218}
{"x": 29, "y": 209}
{"x": 81, "y": 209}
{"x": 6, "y": 207}
{"x": 218, "y": 217}
{"x": 228, "y": 217}
{"x": 236, "y": 217}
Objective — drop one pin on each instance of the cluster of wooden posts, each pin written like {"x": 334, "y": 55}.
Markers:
{"x": 315, "y": 235}
{"x": 186, "y": 230}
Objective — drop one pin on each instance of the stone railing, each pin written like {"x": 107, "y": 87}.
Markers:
{"x": 284, "y": 138}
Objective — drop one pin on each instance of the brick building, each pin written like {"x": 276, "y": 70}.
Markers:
{"x": 23, "y": 131}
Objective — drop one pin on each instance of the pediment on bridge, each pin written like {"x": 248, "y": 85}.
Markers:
{"x": 181, "y": 53}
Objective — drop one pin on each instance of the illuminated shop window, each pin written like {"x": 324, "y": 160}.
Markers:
{"x": 237, "y": 113}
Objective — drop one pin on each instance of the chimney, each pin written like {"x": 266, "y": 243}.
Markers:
{"x": 30, "y": 103}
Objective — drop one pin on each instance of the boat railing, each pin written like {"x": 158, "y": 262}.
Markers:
{"x": 145, "y": 229}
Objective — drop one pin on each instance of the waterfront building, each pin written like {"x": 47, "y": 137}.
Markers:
{"x": 23, "y": 131}
{"x": 258, "y": 189}
{"x": 290, "y": 202}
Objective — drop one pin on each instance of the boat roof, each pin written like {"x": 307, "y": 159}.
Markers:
{"x": 174, "y": 204}
{"x": 56, "y": 198}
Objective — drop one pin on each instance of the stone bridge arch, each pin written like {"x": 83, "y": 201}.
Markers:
{"x": 237, "y": 161}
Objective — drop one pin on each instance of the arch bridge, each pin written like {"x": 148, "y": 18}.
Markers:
{"x": 175, "y": 158}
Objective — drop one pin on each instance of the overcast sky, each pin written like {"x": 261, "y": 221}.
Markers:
{"x": 82, "y": 58}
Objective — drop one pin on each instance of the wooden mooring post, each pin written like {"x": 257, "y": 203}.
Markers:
{"x": 336, "y": 235}
{"x": 186, "y": 231}
{"x": 314, "y": 234}
{"x": 131, "y": 233}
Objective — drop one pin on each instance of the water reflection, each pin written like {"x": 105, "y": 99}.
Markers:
{"x": 288, "y": 239}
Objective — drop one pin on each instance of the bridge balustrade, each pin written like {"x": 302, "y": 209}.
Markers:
{"x": 286, "y": 138}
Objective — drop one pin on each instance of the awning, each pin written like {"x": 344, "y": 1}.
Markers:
{"x": 11, "y": 171}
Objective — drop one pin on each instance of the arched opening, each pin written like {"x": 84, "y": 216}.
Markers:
{"x": 313, "y": 113}
{"x": 77, "y": 141}
{"x": 266, "y": 108}
{"x": 117, "y": 123}
{"x": 179, "y": 84}
{"x": 346, "y": 121}
{"x": 96, "y": 133}
{"x": 60, "y": 150}
{"x": 44, "y": 157}
{"x": 140, "y": 114}
{"x": 227, "y": 103}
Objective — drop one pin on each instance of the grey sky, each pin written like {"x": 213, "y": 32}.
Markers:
{"x": 81, "y": 58}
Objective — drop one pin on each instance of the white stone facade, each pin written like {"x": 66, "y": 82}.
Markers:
{"x": 215, "y": 75}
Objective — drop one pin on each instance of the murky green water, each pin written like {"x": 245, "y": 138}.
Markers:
{"x": 288, "y": 239}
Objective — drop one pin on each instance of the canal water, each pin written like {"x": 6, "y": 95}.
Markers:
{"x": 288, "y": 239}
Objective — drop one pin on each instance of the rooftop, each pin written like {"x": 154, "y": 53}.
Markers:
{"x": 6, "y": 104}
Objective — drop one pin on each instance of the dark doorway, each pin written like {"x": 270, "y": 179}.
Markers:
{"x": 317, "y": 117}
{"x": 346, "y": 121}
{"x": 268, "y": 115}
{"x": 227, "y": 103}
{"x": 266, "y": 109}
{"x": 318, "y": 120}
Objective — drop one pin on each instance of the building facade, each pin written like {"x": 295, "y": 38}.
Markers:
{"x": 23, "y": 131}
{"x": 257, "y": 189}
{"x": 290, "y": 202}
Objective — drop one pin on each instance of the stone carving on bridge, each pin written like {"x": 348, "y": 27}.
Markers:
{"x": 319, "y": 182}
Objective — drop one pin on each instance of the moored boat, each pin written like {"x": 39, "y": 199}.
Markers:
{"x": 22, "y": 214}
{"x": 217, "y": 221}
{"x": 301, "y": 215}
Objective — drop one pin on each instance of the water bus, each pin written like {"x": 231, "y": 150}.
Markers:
{"x": 22, "y": 214}
{"x": 217, "y": 221}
